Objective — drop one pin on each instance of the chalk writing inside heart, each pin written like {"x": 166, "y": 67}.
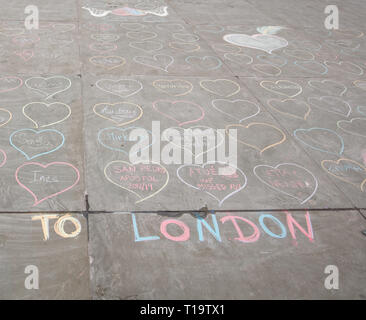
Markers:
{"x": 176, "y": 87}
{"x": 142, "y": 180}
{"x": 120, "y": 113}
{"x": 123, "y": 88}
{"x": 282, "y": 87}
{"x": 211, "y": 179}
{"x": 180, "y": 111}
{"x": 290, "y": 179}
{"x": 347, "y": 170}
{"x": 47, "y": 181}
{"x": 108, "y": 62}
{"x": 264, "y": 42}
{"x": 50, "y": 86}
{"x": 33, "y": 144}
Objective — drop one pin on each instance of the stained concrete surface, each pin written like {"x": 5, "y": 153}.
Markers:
{"x": 299, "y": 112}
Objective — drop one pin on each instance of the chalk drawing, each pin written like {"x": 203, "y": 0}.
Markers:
{"x": 5, "y": 117}
{"x": 267, "y": 69}
{"x": 264, "y": 42}
{"x": 26, "y": 40}
{"x": 273, "y": 59}
{"x": 313, "y": 67}
{"x": 141, "y": 35}
{"x": 326, "y": 135}
{"x": 127, "y": 11}
{"x": 210, "y": 28}
{"x": 360, "y": 84}
{"x": 26, "y": 54}
{"x": 261, "y": 127}
{"x": 48, "y": 109}
{"x": 345, "y": 66}
{"x": 63, "y": 27}
{"x": 8, "y": 84}
{"x": 11, "y": 32}
{"x": 240, "y": 59}
{"x": 61, "y": 40}
{"x": 33, "y": 140}
{"x": 185, "y": 37}
{"x": 212, "y": 183}
{"x": 120, "y": 113}
{"x": 347, "y": 170}
{"x": 331, "y": 104}
{"x": 123, "y": 88}
{"x": 299, "y": 54}
{"x": 362, "y": 110}
{"x": 158, "y": 61}
{"x": 121, "y": 173}
{"x": 43, "y": 167}
{"x": 239, "y": 110}
{"x": 204, "y": 63}
{"x": 147, "y": 46}
{"x": 172, "y": 27}
{"x": 115, "y": 139}
{"x": 288, "y": 178}
{"x": 108, "y": 62}
{"x": 132, "y": 26}
{"x": 221, "y": 87}
{"x": 291, "y": 107}
{"x": 105, "y": 37}
{"x": 356, "y": 126}
{"x": 50, "y": 86}
{"x": 226, "y": 48}
{"x": 3, "y": 158}
{"x": 283, "y": 87}
{"x": 270, "y": 29}
{"x": 176, "y": 108}
{"x": 187, "y": 47}
{"x": 103, "y": 47}
{"x": 328, "y": 86}
{"x": 174, "y": 87}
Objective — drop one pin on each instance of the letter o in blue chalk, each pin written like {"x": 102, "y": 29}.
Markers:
{"x": 266, "y": 230}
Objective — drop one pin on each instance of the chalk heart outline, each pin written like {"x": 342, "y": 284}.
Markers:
{"x": 103, "y": 65}
{"x": 215, "y": 101}
{"x": 37, "y": 132}
{"x": 312, "y": 83}
{"x": 302, "y": 201}
{"x": 264, "y": 42}
{"x": 217, "y": 144}
{"x": 360, "y": 84}
{"x": 47, "y": 106}
{"x": 257, "y": 124}
{"x": 271, "y": 57}
{"x": 304, "y": 66}
{"x": 48, "y": 95}
{"x": 321, "y": 99}
{"x": 265, "y": 83}
{"x": 45, "y": 166}
{"x": 203, "y": 59}
{"x": 155, "y": 59}
{"x": 11, "y": 88}
{"x": 209, "y": 193}
{"x": 304, "y": 117}
{"x": 294, "y": 53}
{"x": 180, "y": 123}
{"x": 139, "y": 87}
{"x": 363, "y": 183}
{"x": 94, "y": 46}
{"x": 119, "y": 124}
{"x": 10, "y": 117}
{"x": 260, "y": 67}
{"x": 139, "y": 45}
{"x": 138, "y": 35}
{"x": 189, "y": 90}
{"x": 186, "y": 37}
{"x": 123, "y": 130}
{"x": 26, "y": 54}
{"x": 232, "y": 56}
{"x": 340, "y": 122}
{"x": 135, "y": 193}
{"x": 105, "y": 37}
{"x": 316, "y": 148}
{"x": 4, "y": 158}
{"x": 232, "y": 93}
{"x": 339, "y": 66}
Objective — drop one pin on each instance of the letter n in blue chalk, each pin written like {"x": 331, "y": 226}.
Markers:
{"x": 137, "y": 236}
{"x": 269, "y": 232}
{"x": 215, "y": 232}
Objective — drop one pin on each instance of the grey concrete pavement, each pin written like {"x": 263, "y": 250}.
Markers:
{"x": 97, "y": 226}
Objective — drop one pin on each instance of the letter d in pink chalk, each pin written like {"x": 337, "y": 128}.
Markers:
{"x": 252, "y": 238}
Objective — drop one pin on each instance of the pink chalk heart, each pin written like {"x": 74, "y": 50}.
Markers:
{"x": 290, "y": 179}
{"x": 179, "y": 110}
{"x": 25, "y": 54}
{"x": 10, "y": 83}
{"x": 46, "y": 181}
{"x": 264, "y": 42}
{"x": 2, "y": 158}
{"x": 217, "y": 179}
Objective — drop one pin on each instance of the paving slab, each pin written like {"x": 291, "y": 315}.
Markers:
{"x": 41, "y": 153}
{"x": 60, "y": 258}
{"x": 166, "y": 257}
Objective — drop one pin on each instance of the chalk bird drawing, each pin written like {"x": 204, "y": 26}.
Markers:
{"x": 127, "y": 11}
